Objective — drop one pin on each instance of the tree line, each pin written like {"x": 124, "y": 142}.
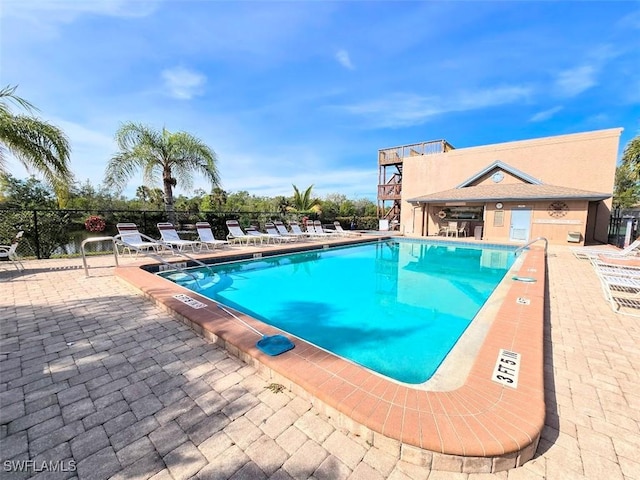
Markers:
{"x": 163, "y": 157}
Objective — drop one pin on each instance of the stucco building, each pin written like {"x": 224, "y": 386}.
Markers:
{"x": 557, "y": 187}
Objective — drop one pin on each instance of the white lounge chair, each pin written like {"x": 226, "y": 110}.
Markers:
{"x": 620, "y": 285}
{"x": 312, "y": 232}
{"x": 282, "y": 230}
{"x": 615, "y": 269}
{"x": 263, "y": 237}
{"x": 131, "y": 239}
{"x": 237, "y": 235}
{"x": 341, "y": 231}
{"x": 295, "y": 229}
{"x": 590, "y": 252}
{"x": 322, "y": 232}
{"x": 172, "y": 239}
{"x": 8, "y": 252}
{"x": 273, "y": 232}
{"x": 622, "y": 293}
{"x": 207, "y": 238}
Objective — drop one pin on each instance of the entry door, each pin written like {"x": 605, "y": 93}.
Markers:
{"x": 520, "y": 225}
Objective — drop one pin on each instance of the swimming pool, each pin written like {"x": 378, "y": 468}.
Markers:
{"x": 396, "y": 307}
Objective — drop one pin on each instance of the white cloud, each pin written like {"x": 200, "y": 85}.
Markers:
{"x": 67, "y": 10}
{"x": 403, "y": 110}
{"x": 183, "y": 83}
{"x": 574, "y": 81}
{"x": 545, "y": 114}
{"x": 343, "y": 58}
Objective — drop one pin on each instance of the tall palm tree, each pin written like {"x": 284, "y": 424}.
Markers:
{"x": 173, "y": 157}
{"x": 631, "y": 157}
{"x": 38, "y": 145}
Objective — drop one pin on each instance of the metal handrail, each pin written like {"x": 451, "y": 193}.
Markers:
{"x": 158, "y": 258}
{"x": 96, "y": 239}
{"x": 546, "y": 245}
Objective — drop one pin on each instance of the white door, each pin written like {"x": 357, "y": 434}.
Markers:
{"x": 520, "y": 225}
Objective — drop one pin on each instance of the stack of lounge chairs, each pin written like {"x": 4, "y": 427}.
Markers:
{"x": 588, "y": 253}
{"x": 619, "y": 274}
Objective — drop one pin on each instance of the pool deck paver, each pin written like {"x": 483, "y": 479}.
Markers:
{"x": 93, "y": 372}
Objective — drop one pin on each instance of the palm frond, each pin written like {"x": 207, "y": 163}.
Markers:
{"x": 39, "y": 145}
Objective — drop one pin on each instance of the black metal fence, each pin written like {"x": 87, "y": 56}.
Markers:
{"x": 619, "y": 222}
{"x": 50, "y": 233}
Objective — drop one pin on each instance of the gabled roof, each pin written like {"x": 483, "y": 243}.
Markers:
{"x": 504, "y": 167}
{"x": 510, "y": 192}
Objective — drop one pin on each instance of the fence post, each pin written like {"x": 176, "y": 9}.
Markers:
{"x": 35, "y": 233}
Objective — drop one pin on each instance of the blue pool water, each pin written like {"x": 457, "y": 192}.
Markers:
{"x": 396, "y": 307}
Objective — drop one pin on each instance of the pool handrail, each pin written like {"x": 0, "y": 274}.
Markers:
{"x": 528, "y": 244}
{"x": 97, "y": 239}
{"x": 158, "y": 258}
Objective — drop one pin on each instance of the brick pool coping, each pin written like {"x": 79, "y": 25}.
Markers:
{"x": 482, "y": 426}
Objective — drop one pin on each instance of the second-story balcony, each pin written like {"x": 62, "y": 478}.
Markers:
{"x": 390, "y": 191}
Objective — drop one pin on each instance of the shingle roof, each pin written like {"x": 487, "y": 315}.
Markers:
{"x": 508, "y": 192}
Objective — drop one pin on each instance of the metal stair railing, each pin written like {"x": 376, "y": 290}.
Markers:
{"x": 528, "y": 244}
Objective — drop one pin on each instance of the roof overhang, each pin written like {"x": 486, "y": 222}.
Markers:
{"x": 509, "y": 193}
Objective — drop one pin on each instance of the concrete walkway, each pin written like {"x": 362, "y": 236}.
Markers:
{"x": 97, "y": 381}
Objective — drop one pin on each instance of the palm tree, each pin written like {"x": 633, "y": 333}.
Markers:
{"x": 302, "y": 202}
{"x": 631, "y": 157}
{"x": 38, "y": 145}
{"x": 218, "y": 197}
{"x": 173, "y": 156}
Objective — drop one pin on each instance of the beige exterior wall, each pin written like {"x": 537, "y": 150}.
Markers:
{"x": 584, "y": 161}
{"x": 542, "y": 225}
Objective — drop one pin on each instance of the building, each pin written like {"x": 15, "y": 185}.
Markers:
{"x": 557, "y": 187}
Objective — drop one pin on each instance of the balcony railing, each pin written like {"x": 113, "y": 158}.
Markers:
{"x": 389, "y": 156}
{"x": 391, "y": 191}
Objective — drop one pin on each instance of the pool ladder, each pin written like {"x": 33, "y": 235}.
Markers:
{"x": 546, "y": 245}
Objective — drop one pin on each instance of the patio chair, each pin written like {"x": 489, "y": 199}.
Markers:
{"x": 171, "y": 238}
{"x": 205, "y": 234}
{"x": 616, "y": 270}
{"x": 462, "y": 229}
{"x": 8, "y": 252}
{"x": 321, "y": 231}
{"x": 452, "y": 229}
{"x": 590, "y": 252}
{"x": 342, "y": 232}
{"x": 295, "y": 229}
{"x": 282, "y": 230}
{"x": 273, "y": 232}
{"x": 443, "y": 230}
{"x": 237, "y": 235}
{"x": 131, "y": 239}
{"x": 254, "y": 232}
{"x": 622, "y": 293}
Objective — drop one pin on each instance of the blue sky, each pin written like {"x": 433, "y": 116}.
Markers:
{"x": 307, "y": 92}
